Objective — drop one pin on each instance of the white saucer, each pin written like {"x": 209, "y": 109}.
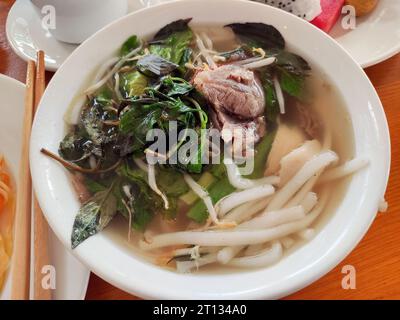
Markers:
{"x": 71, "y": 276}
{"x": 26, "y": 35}
{"x": 376, "y": 37}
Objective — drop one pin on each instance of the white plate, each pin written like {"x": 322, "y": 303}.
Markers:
{"x": 26, "y": 34}
{"x": 107, "y": 253}
{"x": 376, "y": 37}
{"x": 71, "y": 276}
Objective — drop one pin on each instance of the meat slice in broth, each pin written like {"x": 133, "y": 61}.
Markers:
{"x": 238, "y": 103}
{"x": 232, "y": 89}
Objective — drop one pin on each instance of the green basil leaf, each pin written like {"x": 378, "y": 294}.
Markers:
{"x": 94, "y": 216}
{"x": 133, "y": 84}
{"x": 258, "y": 35}
{"x": 154, "y": 65}
{"x": 272, "y": 106}
{"x": 173, "y": 86}
{"x": 172, "y": 41}
{"x": 263, "y": 149}
{"x": 292, "y": 84}
{"x": 171, "y": 28}
{"x": 171, "y": 182}
{"x": 130, "y": 44}
{"x": 93, "y": 186}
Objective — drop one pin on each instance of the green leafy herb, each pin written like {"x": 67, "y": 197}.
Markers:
{"x": 145, "y": 203}
{"x": 154, "y": 65}
{"x": 94, "y": 216}
{"x": 196, "y": 166}
{"x": 292, "y": 70}
{"x": 292, "y": 63}
{"x": 172, "y": 41}
{"x": 71, "y": 147}
{"x": 218, "y": 190}
{"x": 137, "y": 121}
{"x": 272, "y": 106}
{"x": 172, "y": 182}
{"x": 263, "y": 149}
{"x": 198, "y": 212}
{"x": 133, "y": 84}
{"x": 93, "y": 117}
{"x": 93, "y": 186}
{"x": 181, "y": 25}
{"x": 130, "y": 44}
{"x": 258, "y": 35}
{"x": 142, "y": 215}
{"x": 174, "y": 86}
{"x": 77, "y": 148}
{"x": 140, "y": 118}
{"x": 218, "y": 170}
{"x": 93, "y": 123}
{"x": 187, "y": 54}
{"x": 291, "y": 83}
{"x": 135, "y": 175}
{"x": 104, "y": 97}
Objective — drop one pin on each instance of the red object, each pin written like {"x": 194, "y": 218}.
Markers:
{"x": 331, "y": 10}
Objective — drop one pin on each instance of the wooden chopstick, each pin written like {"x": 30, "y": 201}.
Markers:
{"x": 40, "y": 227}
{"x": 21, "y": 260}
{"x": 40, "y": 80}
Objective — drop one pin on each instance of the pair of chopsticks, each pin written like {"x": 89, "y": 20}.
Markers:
{"x": 35, "y": 86}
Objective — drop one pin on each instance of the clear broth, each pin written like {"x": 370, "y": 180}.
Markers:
{"x": 329, "y": 108}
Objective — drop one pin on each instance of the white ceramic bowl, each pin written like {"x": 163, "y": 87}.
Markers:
{"x": 118, "y": 265}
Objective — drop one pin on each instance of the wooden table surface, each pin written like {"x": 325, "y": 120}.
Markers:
{"x": 376, "y": 259}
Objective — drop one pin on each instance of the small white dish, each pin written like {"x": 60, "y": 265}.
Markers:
{"x": 26, "y": 34}
{"x": 71, "y": 276}
{"x": 109, "y": 257}
{"x": 376, "y": 37}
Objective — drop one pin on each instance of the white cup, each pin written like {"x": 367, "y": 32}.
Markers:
{"x": 73, "y": 21}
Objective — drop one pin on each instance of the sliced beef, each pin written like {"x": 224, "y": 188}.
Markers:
{"x": 232, "y": 89}
{"x": 238, "y": 103}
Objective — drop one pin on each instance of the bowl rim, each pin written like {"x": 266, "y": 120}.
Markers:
{"x": 149, "y": 290}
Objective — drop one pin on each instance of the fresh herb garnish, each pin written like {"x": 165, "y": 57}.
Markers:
{"x": 172, "y": 41}
{"x": 258, "y": 35}
{"x": 94, "y": 216}
{"x": 155, "y": 66}
{"x": 130, "y": 44}
{"x": 153, "y": 89}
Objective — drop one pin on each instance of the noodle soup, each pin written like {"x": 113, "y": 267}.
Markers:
{"x": 271, "y": 108}
{"x": 328, "y": 105}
